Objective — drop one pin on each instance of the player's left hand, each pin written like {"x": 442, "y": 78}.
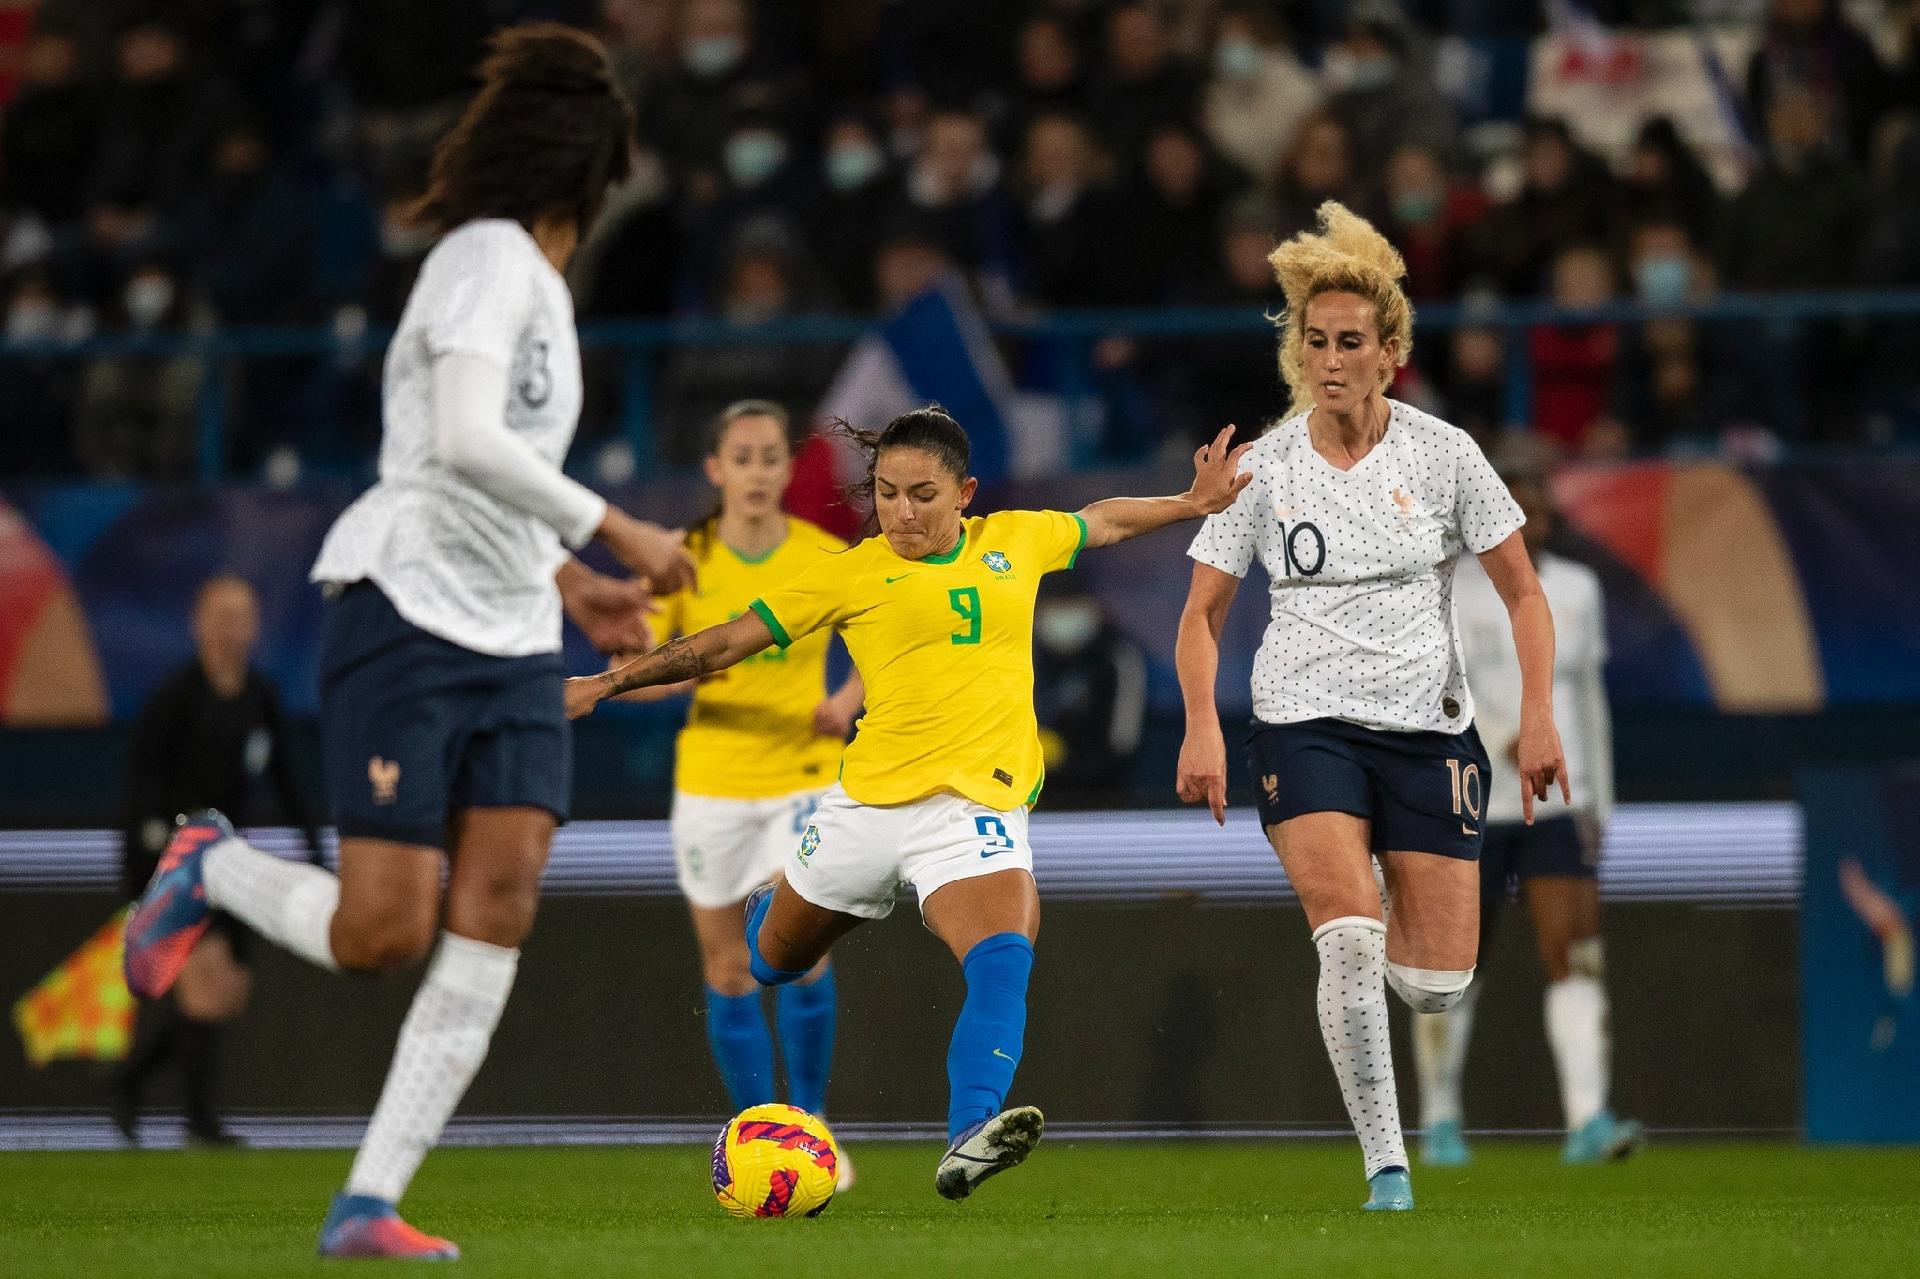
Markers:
{"x": 583, "y": 693}
{"x": 610, "y": 611}
{"x": 1541, "y": 762}
{"x": 1217, "y": 478}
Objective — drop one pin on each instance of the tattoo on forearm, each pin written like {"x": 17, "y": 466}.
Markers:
{"x": 672, "y": 662}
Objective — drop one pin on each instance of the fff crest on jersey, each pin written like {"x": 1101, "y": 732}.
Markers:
{"x": 997, "y": 562}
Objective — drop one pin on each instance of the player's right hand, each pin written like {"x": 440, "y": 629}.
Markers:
{"x": 1201, "y": 776}
{"x": 583, "y": 693}
{"x": 657, "y": 554}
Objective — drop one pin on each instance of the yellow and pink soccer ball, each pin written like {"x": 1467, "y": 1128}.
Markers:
{"x": 775, "y": 1161}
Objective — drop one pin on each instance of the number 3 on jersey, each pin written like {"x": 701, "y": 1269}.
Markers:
{"x": 965, "y": 600}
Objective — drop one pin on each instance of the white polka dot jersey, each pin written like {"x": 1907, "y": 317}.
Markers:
{"x": 1361, "y": 568}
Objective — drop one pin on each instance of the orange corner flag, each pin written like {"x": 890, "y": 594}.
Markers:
{"x": 82, "y": 1008}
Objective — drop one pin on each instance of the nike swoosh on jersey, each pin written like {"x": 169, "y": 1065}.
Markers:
{"x": 891, "y": 580}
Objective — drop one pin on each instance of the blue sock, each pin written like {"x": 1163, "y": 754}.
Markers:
{"x": 763, "y": 972}
{"x": 992, "y": 1027}
{"x": 742, "y": 1047}
{"x": 806, "y": 1016}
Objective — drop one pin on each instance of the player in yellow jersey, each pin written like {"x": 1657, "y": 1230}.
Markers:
{"x": 761, "y": 742}
{"x": 938, "y": 614}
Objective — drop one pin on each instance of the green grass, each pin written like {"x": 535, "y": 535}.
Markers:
{"x": 1109, "y": 1209}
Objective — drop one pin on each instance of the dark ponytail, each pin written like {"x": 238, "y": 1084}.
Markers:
{"x": 931, "y": 429}
{"x": 700, "y": 536}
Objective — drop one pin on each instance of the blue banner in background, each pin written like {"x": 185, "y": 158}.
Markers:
{"x": 1787, "y": 588}
{"x": 1860, "y": 1019}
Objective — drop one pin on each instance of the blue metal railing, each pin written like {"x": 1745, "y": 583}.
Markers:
{"x": 639, "y": 341}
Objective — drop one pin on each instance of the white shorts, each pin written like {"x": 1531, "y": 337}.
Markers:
{"x": 723, "y": 849}
{"x": 854, "y": 858}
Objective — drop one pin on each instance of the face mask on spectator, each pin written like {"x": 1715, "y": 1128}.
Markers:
{"x": 853, "y": 166}
{"x": 1068, "y": 627}
{"x": 712, "y": 55}
{"x": 1662, "y": 279}
{"x": 754, "y": 156}
{"x": 1344, "y": 71}
{"x": 1416, "y": 208}
{"x": 649, "y": 180}
{"x": 1238, "y": 59}
{"x": 31, "y": 321}
{"x": 148, "y": 299}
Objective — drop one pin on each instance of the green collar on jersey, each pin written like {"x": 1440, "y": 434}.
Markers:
{"x": 949, "y": 557}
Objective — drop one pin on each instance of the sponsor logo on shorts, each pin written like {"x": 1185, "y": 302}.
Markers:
{"x": 1270, "y": 783}
{"x": 809, "y": 844}
{"x": 385, "y": 776}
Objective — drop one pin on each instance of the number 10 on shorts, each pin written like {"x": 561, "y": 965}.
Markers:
{"x": 1466, "y": 788}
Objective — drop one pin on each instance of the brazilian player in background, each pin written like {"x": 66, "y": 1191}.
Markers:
{"x": 761, "y": 744}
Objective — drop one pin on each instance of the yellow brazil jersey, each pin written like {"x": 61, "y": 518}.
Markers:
{"x": 945, "y": 645}
{"x": 749, "y": 733}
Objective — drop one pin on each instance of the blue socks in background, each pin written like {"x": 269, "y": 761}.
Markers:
{"x": 742, "y": 1047}
{"x": 987, "y": 1038}
{"x": 805, "y": 1018}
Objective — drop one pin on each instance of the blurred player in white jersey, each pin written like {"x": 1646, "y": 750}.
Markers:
{"x": 442, "y": 721}
{"x": 1554, "y": 862}
{"x": 1363, "y": 744}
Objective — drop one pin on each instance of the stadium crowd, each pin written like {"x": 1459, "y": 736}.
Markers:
{"x": 243, "y": 163}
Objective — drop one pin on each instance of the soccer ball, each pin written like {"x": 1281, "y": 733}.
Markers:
{"x": 775, "y": 1161}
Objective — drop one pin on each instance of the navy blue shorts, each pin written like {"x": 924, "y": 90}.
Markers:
{"x": 1551, "y": 846}
{"x": 414, "y": 728}
{"x": 1423, "y": 792}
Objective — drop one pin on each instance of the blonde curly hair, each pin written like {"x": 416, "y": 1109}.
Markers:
{"x": 1346, "y": 255}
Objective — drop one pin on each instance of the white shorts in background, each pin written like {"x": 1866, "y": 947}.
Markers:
{"x": 726, "y": 848}
{"x": 854, "y": 857}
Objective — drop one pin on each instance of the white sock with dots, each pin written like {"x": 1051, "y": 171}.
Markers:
{"x": 442, "y": 1043}
{"x": 291, "y": 903}
{"x": 1440, "y": 1055}
{"x": 1353, "y": 1023}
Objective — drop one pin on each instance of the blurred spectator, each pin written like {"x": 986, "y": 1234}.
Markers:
{"x": 954, "y": 198}
{"x": 252, "y": 228}
{"x": 639, "y": 39}
{"x": 1066, "y": 231}
{"x": 1797, "y": 225}
{"x": 1473, "y": 382}
{"x": 1259, "y": 93}
{"x": 1166, "y": 220}
{"x": 1810, "y": 45}
{"x": 1143, "y": 82}
{"x": 159, "y": 124}
{"x": 1212, "y": 381}
{"x": 1380, "y": 82}
{"x": 1573, "y": 364}
{"x": 1665, "y": 181}
{"x": 1677, "y": 379}
{"x": 37, "y": 390}
{"x": 1090, "y": 694}
{"x": 1566, "y": 198}
{"x": 763, "y": 283}
{"x": 856, "y": 189}
{"x": 1427, "y": 217}
{"x": 47, "y": 132}
{"x": 720, "y": 74}
{"x": 630, "y": 266}
{"x": 1048, "y": 77}
{"x": 1319, "y": 167}
{"x": 403, "y": 247}
{"x": 135, "y": 416}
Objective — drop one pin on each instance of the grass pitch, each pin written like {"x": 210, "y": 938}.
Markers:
{"x": 1092, "y": 1208}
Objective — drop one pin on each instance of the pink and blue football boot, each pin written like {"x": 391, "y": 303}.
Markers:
{"x": 173, "y": 913}
{"x": 363, "y": 1226}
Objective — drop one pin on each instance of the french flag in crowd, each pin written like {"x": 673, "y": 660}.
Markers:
{"x": 934, "y": 349}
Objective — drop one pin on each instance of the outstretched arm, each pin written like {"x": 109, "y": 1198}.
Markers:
{"x": 688, "y": 657}
{"x": 1537, "y": 753}
{"x": 1216, "y": 482}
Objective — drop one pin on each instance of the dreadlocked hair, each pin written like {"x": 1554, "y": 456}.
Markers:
{"x": 931, "y": 429}
{"x": 546, "y": 135}
{"x": 1345, "y": 255}
{"x": 700, "y": 536}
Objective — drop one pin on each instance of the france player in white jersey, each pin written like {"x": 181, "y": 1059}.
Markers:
{"x": 1555, "y": 861}
{"x": 1363, "y": 744}
{"x": 442, "y": 720}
